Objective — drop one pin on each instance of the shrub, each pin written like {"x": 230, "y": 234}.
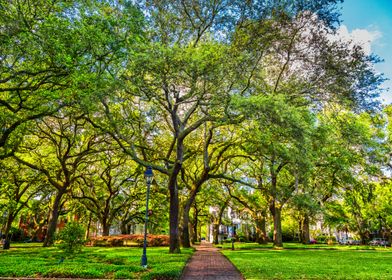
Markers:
{"x": 121, "y": 274}
{"x": 162, "y": 274}
{"x": 325, "y": 239}
{"x": 132, "y": 240}
{"x": 71, "y": 237}
{"x": 228, "y": 240}
{"x": 241, "y": 237}
{"x": 16, "y": 234}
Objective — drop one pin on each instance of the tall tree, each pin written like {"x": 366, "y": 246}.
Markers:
{"x": 108, "y": 187}
{"x": 182, "y": 96}
{"x": 59, "y": 148}
{"x": 186, "y": 74}
{"x": 54, "y": 54}
{"x": 18, "y": 186}
{"x": 279, "y": 141}
{"x": 215, "y": 146}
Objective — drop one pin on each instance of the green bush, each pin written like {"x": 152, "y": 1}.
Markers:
{"x": 163, "y": 274}
{"x": 242, "y": 238}
{"x": 325, "y": 238}
{"x": 71, "y": 237}
{"x": 121, "y": 274}
{"x": 130, "y": 240}
{"x": 16, "y": 234}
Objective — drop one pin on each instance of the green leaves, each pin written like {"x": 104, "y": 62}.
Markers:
{"x": 71, "y": 238}
{"x": 256, "y": 93}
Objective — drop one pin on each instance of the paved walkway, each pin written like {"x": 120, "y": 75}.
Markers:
{"x": 207, "y": 263}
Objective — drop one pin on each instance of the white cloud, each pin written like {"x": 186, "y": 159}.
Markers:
{"x": 363, "y": 37}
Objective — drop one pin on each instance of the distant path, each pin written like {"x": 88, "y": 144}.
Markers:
{"x": 207, "y": 263}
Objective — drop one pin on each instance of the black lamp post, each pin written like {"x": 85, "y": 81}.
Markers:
{"x": 149, "y": 177}
{"x": 233, "y": 233}
{"x": 380, "y": 227}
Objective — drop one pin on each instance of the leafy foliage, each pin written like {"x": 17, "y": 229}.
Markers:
{"x": 252, "y": 105}
{"x": 30, "y": 260}
{"x": 71, "y": 237}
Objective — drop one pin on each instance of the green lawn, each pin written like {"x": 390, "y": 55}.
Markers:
{"x": 298, "y": 261}
{"x": 94, "y": 262}
{"x": 253, "y": 246}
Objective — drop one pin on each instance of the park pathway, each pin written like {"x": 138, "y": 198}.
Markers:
{"x": 207, "y": 263}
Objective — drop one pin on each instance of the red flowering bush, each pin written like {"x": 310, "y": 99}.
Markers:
{"x": 133, "y": 240}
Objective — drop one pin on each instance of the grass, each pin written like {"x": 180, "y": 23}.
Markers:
{"x": 318, "y": 261}
{"x": 256, "y": 246}
{"x": 31, "y": 260}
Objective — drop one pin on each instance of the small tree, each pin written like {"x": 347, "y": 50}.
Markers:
{"x": 71, "y": 237}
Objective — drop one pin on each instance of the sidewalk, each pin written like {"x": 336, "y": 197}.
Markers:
{"x": 208, "y": 263}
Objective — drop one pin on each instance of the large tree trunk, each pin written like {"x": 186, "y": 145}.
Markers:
{"x": 7, "y": 240}
{"x": 185, "y": 221}
{"x": 195, "y": 225}
{"x": 192, "y": 233}
{"x": 174, "y": 201}
{"x": 185, "y": 239}
{"x": 275, "y": 211}
{"x": 305, "y": 230}
{"x": 49, "y": 238}
{"x": 300, "y": 230}
{"x": 105, "y": 228}
{"x": 124, "y": 228}
{"x": 276, "y": 214}
{"x": 185, "y": 242}
{"x": 173, "y": 215}
{"x": 216, "y": 226}
{"x": 216, "y": 234}
{"x": 88, "y": 226}
{"x": 361, "y": 231}
{"x": 261, "y": 232}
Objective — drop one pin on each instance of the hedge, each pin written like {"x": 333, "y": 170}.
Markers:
{"x": 131, "y": 240}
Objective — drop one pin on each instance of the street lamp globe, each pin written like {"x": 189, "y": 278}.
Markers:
{"x": 148, "y": 175}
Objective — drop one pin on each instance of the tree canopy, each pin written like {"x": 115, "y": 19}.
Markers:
{"x": 256, "y": 106}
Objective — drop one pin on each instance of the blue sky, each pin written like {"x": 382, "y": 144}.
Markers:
{"x": 371, "y": 20}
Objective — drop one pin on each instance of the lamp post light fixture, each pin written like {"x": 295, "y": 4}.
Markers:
{"x": 149, "y": 176}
